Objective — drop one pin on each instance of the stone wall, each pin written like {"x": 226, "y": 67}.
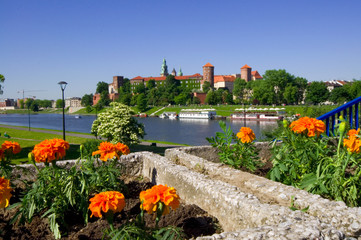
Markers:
{"x": 242, "y": 213}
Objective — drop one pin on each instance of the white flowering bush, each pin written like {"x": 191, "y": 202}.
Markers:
{"x": 118, "y": 125}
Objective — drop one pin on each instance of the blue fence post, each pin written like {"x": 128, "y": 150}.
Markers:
{"x": 353, "y": 119}
{"x": 356, "y": 116}
{"x": 350, "y": 116}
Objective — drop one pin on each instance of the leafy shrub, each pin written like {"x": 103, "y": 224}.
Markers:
{"x": 313, "y": 162}
{"x": 89, "y": 146}
{"x": 240, "y": 154}
{"x": 117, "y": 125}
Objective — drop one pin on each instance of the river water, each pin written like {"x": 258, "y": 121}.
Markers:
{"x": 185, "y": 131}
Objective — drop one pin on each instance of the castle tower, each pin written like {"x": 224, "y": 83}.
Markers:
{"x": 208, "y": 74}
{"x": 246, "y": 73}
{"x": 180, "y": 73}
{"x": 164, "y": 71}
{"x": 174, "y": 73}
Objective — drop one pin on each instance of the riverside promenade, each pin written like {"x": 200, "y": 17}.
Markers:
{"x": 78, "y": 135}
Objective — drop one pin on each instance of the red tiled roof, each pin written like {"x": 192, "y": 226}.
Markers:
{"x": 224, "y": 78}
{"x": 256, "y": 75}
{"x": 245, "y": 66}
{"x": 146, "y": 79}
{"x": 208, "y": 65}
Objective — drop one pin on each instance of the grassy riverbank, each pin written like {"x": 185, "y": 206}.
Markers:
{"x": 28, "y": 139}
{"x": 222, "y": 110}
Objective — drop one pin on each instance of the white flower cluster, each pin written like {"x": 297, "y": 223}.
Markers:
{"x": 117, "y": 124}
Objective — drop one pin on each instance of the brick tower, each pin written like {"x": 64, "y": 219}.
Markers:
{"x": 208, "y": 74}
{"x": 246, "y": 73}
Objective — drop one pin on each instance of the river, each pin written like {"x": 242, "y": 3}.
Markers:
{"x": 185, "y": 131}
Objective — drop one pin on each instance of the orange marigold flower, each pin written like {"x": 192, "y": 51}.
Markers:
{"x": 353, "y": 132}
{"x": 14, "y": 147}
{"x": 105, "y": 201}
{"x": 353, "y": 143}
{"x": 107, "y": 151}
{"x": 5, "y": 194}
{"x": 49, "y": 150}
{"x": 124, "y": 149}
{"x": 246, "y": 135}
{"x": 151, "y": 198}
{"x": 311, "y": 126}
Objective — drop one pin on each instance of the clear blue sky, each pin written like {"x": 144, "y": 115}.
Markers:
{"x": 83, "y": 42}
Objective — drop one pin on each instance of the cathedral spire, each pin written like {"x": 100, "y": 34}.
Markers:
{"x": 164, "y": 71}
{"x": 180, "y": 73}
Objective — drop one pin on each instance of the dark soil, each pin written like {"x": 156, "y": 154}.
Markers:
{"x": 193, "y": 220}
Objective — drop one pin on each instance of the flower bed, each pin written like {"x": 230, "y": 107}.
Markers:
{"x": 193, "y": 220}
{"x": 53, "y": 199}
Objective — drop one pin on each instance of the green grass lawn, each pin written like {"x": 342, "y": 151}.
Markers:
{"x": 227, "y": 110}
{"x": 28, "y": 139}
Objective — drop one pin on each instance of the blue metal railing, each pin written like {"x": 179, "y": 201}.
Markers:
{"x": 350, "y": 112}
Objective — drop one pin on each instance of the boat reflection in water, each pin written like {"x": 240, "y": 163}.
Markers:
{"x": 202, "y": 121}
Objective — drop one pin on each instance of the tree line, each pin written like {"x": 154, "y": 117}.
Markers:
{"x": 277, "y": 87}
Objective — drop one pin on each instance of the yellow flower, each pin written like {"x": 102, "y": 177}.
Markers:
{"x": 246, "y": 135}
{"x": 5, "y": 194}
{"x": 105, "y": 201}
{"x": 49, "y": 150}
{"x": 311, "y": 126}
{"x": 159, "y": 194}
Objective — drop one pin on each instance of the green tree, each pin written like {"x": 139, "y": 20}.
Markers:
{"x": 2, "y": 79}
{"x": 278, "y": 80}
{"x": 228, "y": 97}
{"x": 151, "y": 84}
{"x": 206, "y": 86}
{"x": 125, "y": 98}
{"x": 104, "y": 99}
{"x": 133, "y": 100}
{"x": 317, "y": 93}
{"x": 28, "y": 102}
{"x": 263, "y": 92}
{"x": 211, "y": 98}
{"x": 196, "y": 100}
{"x": 87, "y": 100}
{"x": 301, "y": 84}
{"x": 21, "y": 102}
{"x": 239, "y": 89}
{"x": 355, "y": 89}
{"x": 339, "y": 95}
{"x": 141, "y": 102}
{"x": 290, "y": 94}
{"x": 181, "y": 99}
{"x": 45, "y": 103}
{"x": 102, "y": 87}
{"x": 126, "y": 86}
{"x": 59, "y": 103}
{"x": 116, "y": 124}
{"x": 139, "y": 89}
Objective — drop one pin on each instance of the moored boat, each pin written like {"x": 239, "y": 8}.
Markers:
{"x": 254, "y": 114}
{"x": 197, "y": 113}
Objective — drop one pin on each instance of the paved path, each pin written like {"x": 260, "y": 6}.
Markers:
{"x": 77, "y": 135}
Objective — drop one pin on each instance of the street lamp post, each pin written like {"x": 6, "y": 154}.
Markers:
{"x": 62, "y": 86}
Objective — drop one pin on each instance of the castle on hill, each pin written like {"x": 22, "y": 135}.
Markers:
{"x": 194, "y": 81}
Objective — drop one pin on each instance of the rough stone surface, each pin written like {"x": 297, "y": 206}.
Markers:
{"x": 337, "y": 214}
